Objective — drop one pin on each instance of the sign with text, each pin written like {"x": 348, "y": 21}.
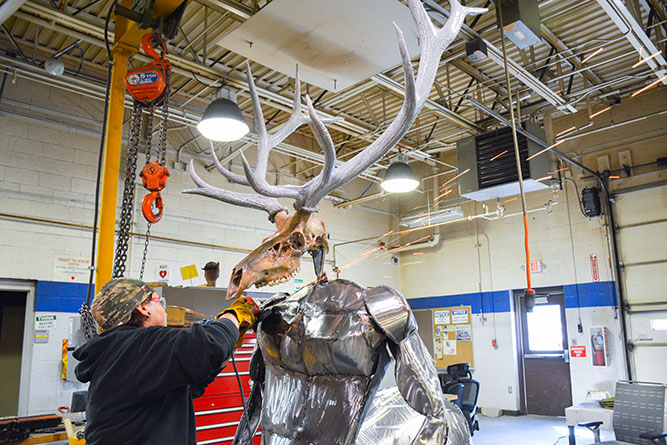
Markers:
{"x": 71, "y": 268}
{"x": 164, "y": 273}
{"x": 189, "y": 272}
{"x": 595, "y": 269}
{"x": 577, "y": 351}
{"x": 45, "y": 322}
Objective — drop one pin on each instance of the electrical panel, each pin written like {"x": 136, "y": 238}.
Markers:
{"x": 521, "y": 22}
{"x": 492, "y": 163}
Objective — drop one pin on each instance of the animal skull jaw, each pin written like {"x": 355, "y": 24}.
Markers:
{"x": 278, "y": 258}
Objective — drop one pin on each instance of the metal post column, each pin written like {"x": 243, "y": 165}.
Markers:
{"x": 112, "y": 150}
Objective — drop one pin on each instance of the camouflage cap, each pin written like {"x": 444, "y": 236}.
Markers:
{"x": 114, "y": 303}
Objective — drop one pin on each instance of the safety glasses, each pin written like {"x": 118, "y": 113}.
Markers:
{"x": 159, "y": 299}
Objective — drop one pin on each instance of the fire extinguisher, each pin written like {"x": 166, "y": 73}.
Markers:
{"x": 598, "y": 349}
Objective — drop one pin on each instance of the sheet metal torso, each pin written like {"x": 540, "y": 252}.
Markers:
{"x": 325, "y": 357}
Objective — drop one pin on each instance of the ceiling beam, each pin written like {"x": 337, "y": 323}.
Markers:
{"x": 635, "y": 34}
{"x": 240, "y": 12}
{"x": 557, "y": 43}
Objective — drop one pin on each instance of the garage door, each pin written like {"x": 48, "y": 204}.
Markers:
{"x": 642, "y": 241}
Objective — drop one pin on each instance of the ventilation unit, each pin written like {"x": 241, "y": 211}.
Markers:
{"x": 490, "y": 158}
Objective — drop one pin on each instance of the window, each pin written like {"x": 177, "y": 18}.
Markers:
{"x": 659, "y": 324}
{"x": 545, "y": 328}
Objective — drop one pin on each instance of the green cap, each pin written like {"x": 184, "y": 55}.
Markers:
{"x": 114, "y": 303}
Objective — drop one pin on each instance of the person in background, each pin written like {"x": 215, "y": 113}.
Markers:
{"x": 143, "y": 375}
{"x": 211, "y": 273}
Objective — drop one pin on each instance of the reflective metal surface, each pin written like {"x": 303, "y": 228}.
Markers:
{"x": 325, "y": 361}
{"x": 390, "y": 421}
{"x": 417, "y": 378}
{"x": 391, "y": 312}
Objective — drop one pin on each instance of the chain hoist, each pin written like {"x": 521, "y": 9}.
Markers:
{"x": 149, "y": 86}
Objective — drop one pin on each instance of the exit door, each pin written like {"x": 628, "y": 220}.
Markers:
{"x": 12, "y": 316}
{"x": 547, "y": 389}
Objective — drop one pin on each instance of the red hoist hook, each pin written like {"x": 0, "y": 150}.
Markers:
{"x": 154, "y": 177}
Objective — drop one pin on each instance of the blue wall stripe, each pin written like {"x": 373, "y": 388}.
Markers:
{"x": 580, "y": 295}
{"x": 57, "y": 296}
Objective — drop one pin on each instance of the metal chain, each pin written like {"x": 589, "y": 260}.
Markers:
{"x": 88, "y": 325}
{"x": 148, "y": 143}
{"x": 143, "y": 259}
{"x": 127, "y": 206}
{"x": 162, "y": 142}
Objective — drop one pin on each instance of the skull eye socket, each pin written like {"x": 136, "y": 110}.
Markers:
{"x": 296, "y": 241}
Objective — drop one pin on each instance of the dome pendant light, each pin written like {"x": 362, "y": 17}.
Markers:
{"x": 223, "y": 121}
{"x": 399, "y": 177}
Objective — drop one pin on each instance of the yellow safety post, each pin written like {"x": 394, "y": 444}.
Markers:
{"x": 126, "y": 42}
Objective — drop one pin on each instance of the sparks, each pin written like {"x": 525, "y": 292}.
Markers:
{"x": 543, "y": 179}
{"x": 447, "y": 192}
{"x": 412, "y": 262}
{"x": 510, "y": 200}
{"x": 548, "y": 148}
{"x": 651, "y": 85}
{"x": 418, "y": 253}
{"x": 646, "y": 59}
{"x": 559, "y": 170}
{"x": 599, "y": 112}
{"x": 497, "y": 156}
{"x": 455, "y": 177}
{"x": 593, "y": 55}
{"x": 614, "y": 177}
{"x": 566, "y": 131}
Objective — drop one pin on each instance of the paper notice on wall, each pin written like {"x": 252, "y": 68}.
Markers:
{"x": 45, "y": 322}
{"x": 449, "y": 347}
{"x": 189, "y": 272}
{"x": 73, "y": 269}
{"x": 438, "y": 331}
{"x": 437, "y": 348}
{"x": 463, "y": 332}
{"x": 440, "y": 317}
{"x": 460, "y": 316}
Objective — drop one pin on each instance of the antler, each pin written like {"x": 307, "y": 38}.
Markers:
{"x": 433, "y": 42}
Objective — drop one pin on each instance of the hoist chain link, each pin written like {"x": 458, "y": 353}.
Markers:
{"x": 148, "y": 142}
{"x": 127, "y": 205}
{"x": 143, "y": 259}
{"x": 162, "y": 142}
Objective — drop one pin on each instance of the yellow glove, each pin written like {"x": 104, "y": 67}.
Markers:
{"x": 246, "y": 311}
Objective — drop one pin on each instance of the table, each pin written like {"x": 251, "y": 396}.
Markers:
{"x": 587, "y": 412}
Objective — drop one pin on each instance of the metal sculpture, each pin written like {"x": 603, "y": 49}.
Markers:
{"x": 324, "y": 350}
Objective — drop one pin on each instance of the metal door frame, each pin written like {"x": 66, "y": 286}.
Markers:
{"x": 518, "y": 320}
{"x": 27, "y": 286}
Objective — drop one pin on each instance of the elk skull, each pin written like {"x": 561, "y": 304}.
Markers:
{"x": 279, "y": 257}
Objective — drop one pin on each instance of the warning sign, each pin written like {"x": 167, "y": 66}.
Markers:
{"x": 577, "y": 351}
{"x": 595, "y": 269}
{"x": 45, "y": 322}
{"x": 71, "y": 268}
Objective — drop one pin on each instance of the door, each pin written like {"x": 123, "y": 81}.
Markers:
{"x": 12, "y": 320}
{"x": 641, "y": 218}
{"x": 547, "y": 389}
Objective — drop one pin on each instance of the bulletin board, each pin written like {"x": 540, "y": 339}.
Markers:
{"x": 452, "y": 336}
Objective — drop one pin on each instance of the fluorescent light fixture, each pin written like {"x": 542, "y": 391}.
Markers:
{"x": 399, "y": 177}
{"x": 436, "y": 217}
{"x": 223, "y": 120}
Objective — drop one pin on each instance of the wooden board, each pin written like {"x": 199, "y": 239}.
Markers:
{"x": 452, "y": 336}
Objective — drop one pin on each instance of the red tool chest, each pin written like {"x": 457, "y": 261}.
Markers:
{"x": 218, "y": 411}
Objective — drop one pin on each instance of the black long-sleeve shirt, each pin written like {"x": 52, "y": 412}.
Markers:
{"x": 143, "y": 380}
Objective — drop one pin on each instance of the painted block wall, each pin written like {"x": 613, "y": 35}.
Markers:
{"x": 48, "y": 170}
{"x": 453, "y": 273}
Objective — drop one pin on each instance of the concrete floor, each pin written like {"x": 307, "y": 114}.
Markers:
{"x": 530, "y": 430}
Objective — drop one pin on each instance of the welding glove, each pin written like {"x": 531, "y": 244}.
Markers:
{"x": 246, "y": 311}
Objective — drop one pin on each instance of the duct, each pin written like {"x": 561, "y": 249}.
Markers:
{"x": 8, "y": 8}
{"x": 515, "y": 69}
{"x": 635, "y": 34}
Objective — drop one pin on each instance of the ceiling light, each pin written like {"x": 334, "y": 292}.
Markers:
{"x": 399, "y": 177}
{"x": 223, "y": 119}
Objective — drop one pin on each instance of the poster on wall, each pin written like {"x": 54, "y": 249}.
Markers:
{"x": 441, "y": 317}
{"x": 74, "y": 269}
{"x": 438, "y": 331}
{"x": 463, "y": 332}
{"x": 437, "y": 348}
{"x": 449, "y": 347}
{"x": 460, "y": 316}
